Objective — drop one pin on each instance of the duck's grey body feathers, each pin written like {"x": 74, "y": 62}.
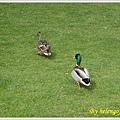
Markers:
{"x": 43, "y": 46}
{"x": 81, "y": 75}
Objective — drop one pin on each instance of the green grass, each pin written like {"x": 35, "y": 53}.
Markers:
{"x": 39, "y": 86}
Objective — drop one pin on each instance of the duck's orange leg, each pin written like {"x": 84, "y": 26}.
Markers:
{"x": 78, "y": 85}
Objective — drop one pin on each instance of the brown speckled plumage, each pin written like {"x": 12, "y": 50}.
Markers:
{"x": 43, "y": 46}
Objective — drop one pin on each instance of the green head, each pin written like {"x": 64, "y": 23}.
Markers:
{"x": 79, "y": 58}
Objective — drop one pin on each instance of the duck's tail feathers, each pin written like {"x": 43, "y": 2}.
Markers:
{"x": 86, "y": 80}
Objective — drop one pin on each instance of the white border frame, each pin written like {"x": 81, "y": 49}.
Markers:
{"x": 63, "y": 1}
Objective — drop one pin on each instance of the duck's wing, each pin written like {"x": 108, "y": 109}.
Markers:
{"x": 45, "y": 42}
{"x": 83, "y": 70}
{"x": 45, "y": 47}
{"x": 75, "y": 74}
{"x": 86, "y": 72}
{"x": 81, "y": 74}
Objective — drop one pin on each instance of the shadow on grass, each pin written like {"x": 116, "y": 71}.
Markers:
{"x": 52, "y": 57}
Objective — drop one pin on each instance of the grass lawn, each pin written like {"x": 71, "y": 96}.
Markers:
{"x": 33, "y": 85}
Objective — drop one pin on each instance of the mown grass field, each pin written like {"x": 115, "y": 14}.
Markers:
{"x": 39, "y": 86}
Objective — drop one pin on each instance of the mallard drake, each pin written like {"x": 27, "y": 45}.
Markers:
{"x": 43, "y": 46}
{"x": 80, "y": 74}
